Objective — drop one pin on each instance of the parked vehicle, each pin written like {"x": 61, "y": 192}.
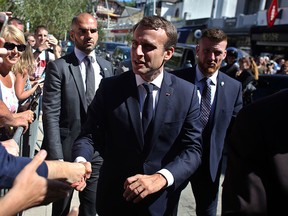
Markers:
{"x": 120, "y": 53}
{"x": 183, "y": 56}
{"x": 105, "y": 49}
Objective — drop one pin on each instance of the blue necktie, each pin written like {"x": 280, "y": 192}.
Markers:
{"x": 90, "y": 79}
{"x": 147, "y": 112}
{"x": 205, "y": 106}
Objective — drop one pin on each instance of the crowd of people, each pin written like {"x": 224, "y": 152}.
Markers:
{"x": 130, "y": 143}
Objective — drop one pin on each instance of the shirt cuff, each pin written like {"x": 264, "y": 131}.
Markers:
{"x": 80, "y": 159}
{"x": 168, "y": 175}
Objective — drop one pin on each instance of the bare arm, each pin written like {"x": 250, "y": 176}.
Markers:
{"x": 19, "y": 87}
{"x": 11, "y": 147}
{"x": 29, "y": 189}
{"x": 14, "y": 120}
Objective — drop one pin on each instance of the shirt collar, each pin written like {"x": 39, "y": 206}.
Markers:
{"x": 156, "y": 82}
{"x": 200, "y": 76}
{"x": 81, "y": 55}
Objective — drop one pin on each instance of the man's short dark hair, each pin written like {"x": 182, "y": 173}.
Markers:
{"x": 214, "y": 34}
{"x": 40, "y": 27}
{"x": 156, "y": 22}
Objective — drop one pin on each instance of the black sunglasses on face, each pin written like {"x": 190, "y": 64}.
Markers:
{"x": 11, "y": 46}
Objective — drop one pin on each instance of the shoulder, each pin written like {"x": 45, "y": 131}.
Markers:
{"x": 101, "y": 60}
{"x": 12, "y": 75}
{"x": 67, "y": 59}
{"x": 222, "y": 77}
{"x": 276, "y": 103}
{"x": 178, "y": 83}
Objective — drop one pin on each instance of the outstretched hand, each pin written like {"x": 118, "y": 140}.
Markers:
{"x": 29, "y": 189}
{"x": 80, "y": 185}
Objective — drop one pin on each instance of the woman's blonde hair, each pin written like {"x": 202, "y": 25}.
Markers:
{"x": 12, "y": 32}
{"x": 26, "y": 62}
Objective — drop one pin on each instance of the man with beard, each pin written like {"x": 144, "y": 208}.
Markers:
{"x": 66, "y": 96}
{"x": 225, "y": 102}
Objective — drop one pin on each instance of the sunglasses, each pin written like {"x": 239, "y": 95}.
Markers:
{"x": 84, "y": 31}
{"x": 11, "y": 46}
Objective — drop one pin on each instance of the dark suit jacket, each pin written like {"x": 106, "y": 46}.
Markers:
{"x": 228, "y": 100}
{"x": 64, "y": 104}
{"x": 11, "y": 166}
{"x": 115, "y": 123}
{"x": 256, "y": 180}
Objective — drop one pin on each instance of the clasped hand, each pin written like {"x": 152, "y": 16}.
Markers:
{"x": 139, "y": 186}
{"x": 80, "y": 185}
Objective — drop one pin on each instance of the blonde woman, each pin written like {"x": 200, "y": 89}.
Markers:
{"x": 15, "y": 45}
{"x": 23, "y": 69}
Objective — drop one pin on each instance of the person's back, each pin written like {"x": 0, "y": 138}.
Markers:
{"x": 256, "y": 176}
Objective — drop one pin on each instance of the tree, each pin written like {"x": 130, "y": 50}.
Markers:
{"x": 56, "y": 15}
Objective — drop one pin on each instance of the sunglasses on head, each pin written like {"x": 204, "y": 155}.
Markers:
{"x": 11, "y": 46}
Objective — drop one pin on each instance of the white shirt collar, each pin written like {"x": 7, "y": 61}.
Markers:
{"x": 200, "y": 76}
{"x": 81, "y": 55}
{"x": 156, "y": 82}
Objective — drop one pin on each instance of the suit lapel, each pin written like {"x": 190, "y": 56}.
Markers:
{"x": 219, "y": 96}
{"x": 164, "y": 100}
{"x": 132, "y": 103}
{"x": 102, "y": 66}
{"x": 105, "y": 69}
{"x": 76, "y": 74}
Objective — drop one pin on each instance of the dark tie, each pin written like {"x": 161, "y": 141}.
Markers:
{"x": 205, "y": 105}
{"x": 147, "y": 112}
{"x": 90, "y": 79}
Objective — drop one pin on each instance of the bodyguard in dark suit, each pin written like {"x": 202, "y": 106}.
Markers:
{"x": 65, "y": 103}
{"x": 225, "y": 102}
{"x": 256, "y": 176}
{"x": 141, "y": 170}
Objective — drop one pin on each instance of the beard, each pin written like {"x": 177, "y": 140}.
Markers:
{"x": 208, "y": 67}
{"x": 84, "y": 46}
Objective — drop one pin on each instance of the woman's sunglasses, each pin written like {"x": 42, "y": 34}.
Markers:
{"x": 11, "y": 46}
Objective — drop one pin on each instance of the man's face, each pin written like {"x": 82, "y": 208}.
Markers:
{"x": 210, "y": 55}
{"x": 230, "y": 59}
{"x": 31, "y": 40}
{"x": 41, "y": 37}
{"x": 148, "y": 53}
{"x": 85, "y": 34}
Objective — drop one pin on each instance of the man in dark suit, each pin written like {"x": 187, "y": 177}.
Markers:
{"x": 141, "y": 170}
{"x": 256, "y": 176}
{"x": 225, "y": 101}
{"x": 65, "y": 104}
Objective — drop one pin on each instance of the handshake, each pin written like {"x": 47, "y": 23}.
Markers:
{"x": 30, "y": 189}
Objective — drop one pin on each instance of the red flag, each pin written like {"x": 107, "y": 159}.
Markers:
{"x": 272, "y": 13}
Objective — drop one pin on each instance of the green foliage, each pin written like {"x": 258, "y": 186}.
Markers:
{"x": 56, "y": 15}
